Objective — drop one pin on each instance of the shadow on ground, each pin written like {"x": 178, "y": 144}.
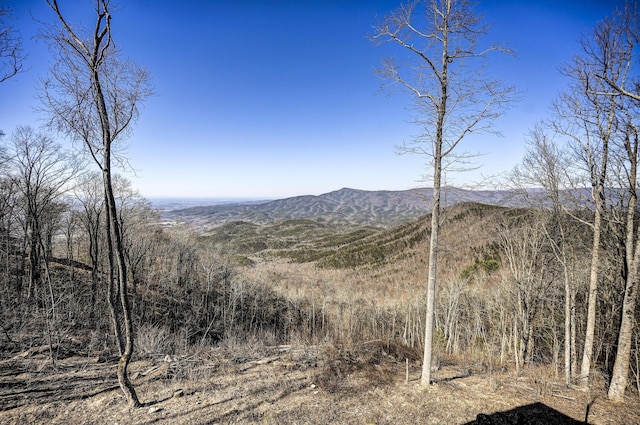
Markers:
{"x": 530, "y": 414}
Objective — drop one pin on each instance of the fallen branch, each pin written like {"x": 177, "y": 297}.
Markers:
{"x": 35, "y": 350}
{"x": 563, "y": 396}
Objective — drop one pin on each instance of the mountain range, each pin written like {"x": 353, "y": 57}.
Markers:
{"x": 345, "y": 206}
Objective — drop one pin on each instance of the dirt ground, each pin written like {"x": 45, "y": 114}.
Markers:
{"x": 286, "y": 385}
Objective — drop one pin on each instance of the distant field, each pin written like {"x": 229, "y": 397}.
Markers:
{"x": 169, "y": 204}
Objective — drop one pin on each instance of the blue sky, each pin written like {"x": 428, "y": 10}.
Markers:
{"x": 277, "y": 98}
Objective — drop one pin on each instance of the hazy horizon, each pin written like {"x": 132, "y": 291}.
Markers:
{"x": 298, "y": 113}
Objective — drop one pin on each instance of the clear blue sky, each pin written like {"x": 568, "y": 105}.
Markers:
{"x": 277, "y": 98}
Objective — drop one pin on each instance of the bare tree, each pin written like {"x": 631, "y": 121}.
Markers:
{"x": 8, "y": 201}
{"x": 453, "y": 97}
{"x": 93, "y": 95}
{"x": 8, "y": 207}
{"x": 624, "y": 29}
{"x": 41, "y": 170}
{"x": 136, "y": 215}
{"x": 631, "y": 269}
{"x": 588, "y": 113}
{"x": 11, "y": 55}
{"x": 620, "y": 37}
{"x": 524, "y": 244}
{"x": 595, "y": 157}
{"x": 89, "y": 194}
{"x": 545, "y": 165}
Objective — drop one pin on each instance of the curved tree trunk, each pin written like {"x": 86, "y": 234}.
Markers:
{"x": 124, "y": 327}
{"x": 98, "y": 117}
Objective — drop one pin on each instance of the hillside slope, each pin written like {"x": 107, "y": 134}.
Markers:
{"x": 468, "y": 235}
{"x": 344, "y": 206}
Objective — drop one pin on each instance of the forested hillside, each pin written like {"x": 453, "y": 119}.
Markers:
{"x": 432, "y": 305}
{"x": 309, "y": 284}
{"x": 380, "y": 208}
{"x": 352, "y": 294}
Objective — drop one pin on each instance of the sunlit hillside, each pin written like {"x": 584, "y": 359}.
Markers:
{"x": 173, "y": 249}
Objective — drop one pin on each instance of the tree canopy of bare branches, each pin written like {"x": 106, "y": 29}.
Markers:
{"x": 41, "y": 170}
{"x": 597, "y": 117}
{"x": 93, "y": 96}
{"x": 442, "y": 65}
{"x": 11, "y": 54}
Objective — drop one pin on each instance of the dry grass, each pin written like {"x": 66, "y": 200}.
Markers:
{"x": 349, "y": 331}
{"x": 280, "y": 385}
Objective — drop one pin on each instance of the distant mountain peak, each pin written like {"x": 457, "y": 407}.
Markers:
{"x": 382, "y": 208}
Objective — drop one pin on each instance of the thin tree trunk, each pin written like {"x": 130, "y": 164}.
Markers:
{"x": 51, "y": 315}
{"x": 621, "y": 365}
{"x": 587, "y": 353}
{"x": 516, "y": 350}
{"x": 112, "y": 289}
{"x": 567, "y": 325}
{"x": 117, "y": 251}
{"x": 620, "y": 373}
{"x": 125, "y": 309}
{"x": 113, "y": 109}
{"x": 530, "y": 344}
{"x": 435, "y": 207}
{"x": 94, "y": 256}
{"x": 431, "y": 283}
{"x": 32, "y": 230}
{"x": 574, "y": 337}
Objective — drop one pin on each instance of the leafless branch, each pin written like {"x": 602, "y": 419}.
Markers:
{"x": 11, "y": 55}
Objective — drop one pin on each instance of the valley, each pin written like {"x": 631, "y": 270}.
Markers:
{"x": 284, "y": 318}
{"x": 515, "y": 305}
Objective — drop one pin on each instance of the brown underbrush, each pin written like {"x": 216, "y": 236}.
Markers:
{"x": 287, "y": 384}
{"x": 283, "y": 342}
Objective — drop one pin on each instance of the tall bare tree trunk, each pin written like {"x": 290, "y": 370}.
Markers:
{"x": 435, "y": 207}
{"x": 126, "y": 327}
{"x": 112, "y": 288}
{"x": 441, "y": 36}
{"x": 620, "y": 373}
{"x": 567, "y": 326}
{"x": 587, "y": 352}
{"x": 125, "y": 309}
{"x": 591, "y": 114}
{"x": 431, "y": 282}
{"x": 574, "y": 336}
{"x": 98, "y": 118}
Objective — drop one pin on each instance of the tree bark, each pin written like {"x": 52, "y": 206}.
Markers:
{"x": 587, "y": 352}
{"x": 567, "y": 326}
{"x": 98, "y": 117}
{"x": 620, "y": 373}
{"x": 125, "y": 358}
{"x": 431, "y": 283}
{"x": 446, "y": 33}
{"x": 126, "y": 327}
